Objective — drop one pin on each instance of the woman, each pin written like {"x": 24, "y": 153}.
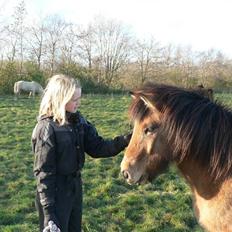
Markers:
{"x": 60, "y": 140}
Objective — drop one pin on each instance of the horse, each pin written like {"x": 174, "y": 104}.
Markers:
{"x": 207, "y": 92}
{"x": 185, "y": 128}
{"x": 27, "y": 86}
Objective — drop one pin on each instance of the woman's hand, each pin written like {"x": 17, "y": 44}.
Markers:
{"x": 52, "y": 227}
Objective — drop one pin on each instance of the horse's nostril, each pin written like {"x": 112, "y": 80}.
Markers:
{"x": 125, "y": 174}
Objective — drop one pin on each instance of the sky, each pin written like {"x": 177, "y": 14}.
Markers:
{"x": 199, "y": 24}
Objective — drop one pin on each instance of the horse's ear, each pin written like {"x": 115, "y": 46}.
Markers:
{"x": 132, "y": 94}
{"x": 148, "y": 103}
{"x": 151, "y": 107}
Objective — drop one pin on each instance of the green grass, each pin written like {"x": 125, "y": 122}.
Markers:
{"x": 109, "y": 203}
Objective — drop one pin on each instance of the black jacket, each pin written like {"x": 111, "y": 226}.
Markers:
{"x": 60, "y": 151}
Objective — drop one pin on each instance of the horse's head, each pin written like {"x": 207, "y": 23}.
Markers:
{"x": 147, "y": 153}
{"x": 38, "y": 88}
{"x": 175, "y": 124}
{"x": 41, "y": 90}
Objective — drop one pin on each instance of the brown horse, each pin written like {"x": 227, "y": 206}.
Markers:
{"x": 186, "y": 128}
{"x": 205, "y": 92}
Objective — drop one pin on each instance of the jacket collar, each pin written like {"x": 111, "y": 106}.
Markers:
{"x": 71, "y": 117}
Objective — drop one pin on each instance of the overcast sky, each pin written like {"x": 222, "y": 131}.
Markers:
{"x": 200, "y": 24}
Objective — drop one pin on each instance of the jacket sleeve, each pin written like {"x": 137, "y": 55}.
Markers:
{"x": 43, "y": 145}
{"x": 97, "y": 147}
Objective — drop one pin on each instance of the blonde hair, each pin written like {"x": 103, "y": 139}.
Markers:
{"x": 57, "y": 94}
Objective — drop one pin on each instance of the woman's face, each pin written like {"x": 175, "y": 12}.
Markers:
{"x": 74, "y": 103}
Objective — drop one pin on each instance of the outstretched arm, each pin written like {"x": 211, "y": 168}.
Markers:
{"x": 97, "y": 147}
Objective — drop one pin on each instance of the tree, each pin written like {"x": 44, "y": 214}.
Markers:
{"x": 112, "y": 43}
{"x": 36, "y": 41}
{"x": 86, "y": 45}
{"x": 147, "y": 55}
{"x": 69, "y": 46}
{"x": 18, "y": 29}
{"x": 54, "y": 31}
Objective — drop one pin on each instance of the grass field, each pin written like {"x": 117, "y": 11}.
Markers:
{"x": 109, "y": 203}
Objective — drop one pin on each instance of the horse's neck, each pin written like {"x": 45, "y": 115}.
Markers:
{"x": 199, "y": 179}
{"x": 212, "y": 200}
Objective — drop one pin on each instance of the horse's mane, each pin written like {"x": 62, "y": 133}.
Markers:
{"x": 195, "y": 125}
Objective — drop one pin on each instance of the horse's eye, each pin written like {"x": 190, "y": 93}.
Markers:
{"x": 151, "y": 129}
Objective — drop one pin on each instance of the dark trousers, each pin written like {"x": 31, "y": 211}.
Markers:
{"x": 68, "y": 204}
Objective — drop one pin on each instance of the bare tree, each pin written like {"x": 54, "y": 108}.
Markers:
{"x": 54, "y": 31}
{"x": 69, "y": 46}
{"x": 213, "y": 67}
{"x": 167, "y": 62}
{"x": 184, "y": 62}
{"x": 86, "y": 45}
{"x": 112, "y": 43}
{"x": 36, "y": 41}
{"x": 3, "y": 34}
{"x": 15, "y": 34}
{"x": 205, "y": 65}
{"x": 19, "y": 29}
{"x": 179, "y": 64}
{"x": 147, "y": 55}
